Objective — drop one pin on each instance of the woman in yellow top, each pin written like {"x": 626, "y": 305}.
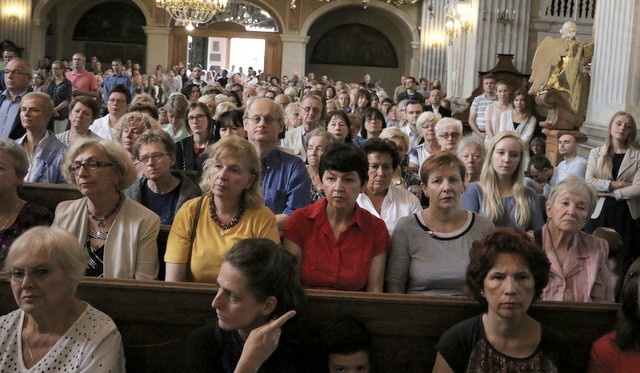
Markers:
{"x": 231, "y": 209}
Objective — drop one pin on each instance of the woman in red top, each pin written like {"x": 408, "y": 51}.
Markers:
{"x": 339, "y": 245}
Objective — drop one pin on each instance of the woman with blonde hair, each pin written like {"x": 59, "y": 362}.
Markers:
{"x": 501, "y": 194}
{"x": 231, "y": 209}
{"x": 614, "y": 170}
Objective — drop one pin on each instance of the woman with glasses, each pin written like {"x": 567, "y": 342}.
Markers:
{"x": 372, "y": 123}
{"x": 448, "y": 132}
{"x": 53, "y": 330}
{"x": 118, "y": 233}
{"x": 426, "y": 123}
{"x": 191, "y": 151}
{"x": 130, "y": 127}
{"x": 158, "y": 188}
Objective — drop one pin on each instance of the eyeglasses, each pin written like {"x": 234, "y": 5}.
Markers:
{"x": 154, "y": 157}
{"x": 18, "y": 275}
{"x": 310, "y": 109}
{"x": 372, "y": 119}
{"x": 452, "y": 135}
{"x": 196, "y": 117}
{"x": 268, "y": 120}
{"x": 117, "y": 101}
{"x": 15, "y": 72}
{"x": 89, "y": 166}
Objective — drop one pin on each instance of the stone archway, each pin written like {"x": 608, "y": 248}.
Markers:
{"x": 392, "y": 22}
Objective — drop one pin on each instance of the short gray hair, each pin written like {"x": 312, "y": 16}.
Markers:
{"x": 574, "y": 184}
{"x": 55, "y": 243}
{"x": 447, "y": 122}
{"x": 428, "y": 116}
{"x": 112, "y": 150}
{"x": 19, "y": 158}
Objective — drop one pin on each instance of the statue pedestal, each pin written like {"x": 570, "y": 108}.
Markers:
{"x": 551, "y": 151}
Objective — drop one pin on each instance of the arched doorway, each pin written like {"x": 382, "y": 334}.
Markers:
{"x": 382, "y": 42}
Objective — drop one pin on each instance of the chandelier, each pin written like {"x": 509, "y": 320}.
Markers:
{"x": 365, "y": 3}
{"x": 192, "y": 12}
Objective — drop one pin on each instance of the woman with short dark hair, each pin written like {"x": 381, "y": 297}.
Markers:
{"x": 506, "y": 273}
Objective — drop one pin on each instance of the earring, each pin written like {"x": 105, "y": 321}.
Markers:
{"x": 482, "y": 293}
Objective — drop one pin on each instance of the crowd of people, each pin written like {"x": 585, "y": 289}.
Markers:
{"x": 271, "y": 186}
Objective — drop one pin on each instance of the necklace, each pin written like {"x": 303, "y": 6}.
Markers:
{"x": 26, "y": 339}
{"x": 103, "y": 221}
{"x": 232, "y": 223}
{"x": 10, "y": 216}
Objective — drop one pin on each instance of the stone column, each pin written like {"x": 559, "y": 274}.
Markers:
{"x": 615, "y": 68}
{"x": 157, "y": 47}
{"x": 293, "y": 53}
{"x": 37, "y": 47}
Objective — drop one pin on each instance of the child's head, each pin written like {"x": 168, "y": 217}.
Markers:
{"x": 347, "y": 342}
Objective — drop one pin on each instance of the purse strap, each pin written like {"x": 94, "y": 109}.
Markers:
{"x": 193, "y": 237}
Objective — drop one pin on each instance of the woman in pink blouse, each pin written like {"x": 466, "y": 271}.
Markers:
{"x": 579, "y": 266}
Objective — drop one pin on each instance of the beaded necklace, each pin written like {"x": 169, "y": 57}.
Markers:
{"x": 103, "y": 221}
{"x": 232, "y": 223}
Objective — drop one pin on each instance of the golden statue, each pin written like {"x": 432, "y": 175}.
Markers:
{"x": 560, "y": 79}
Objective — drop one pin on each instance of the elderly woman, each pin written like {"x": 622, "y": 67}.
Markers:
{"x": 158, "y": 188}
{"x": 258, "y": 294}
{"x": 506, "y": 273}
{"x": 339, "y": 125}
{"x": 16, "y": 215}
{"x": 448, "y": 132}
{"x": 176, "y": 109}
{"x": 231, "y": 209}
{"x": 352, "y": 257}
{"x": 83, "y": 111}
{"x": 292, "y": 118}
{"x": 45, "y": 151}
{"x": 191, "y": 151}
{"x": 118, "y": 234}
{"x": 619, "y": 351}
{"x": 402, "y": 176}
{"x": 501, "y": 194}
{"x": 579, "y": 261}
{"x": 471, "y": 153}
{"x": 129, "y": 129}
{"x": 318, "y": 140}
{"x": 426, "y": 123}
{"x": 430, "y": 249}
{"x": 380, "y": 198}
{"x": 53, "y": 330}
{"x": 614, "y": 170}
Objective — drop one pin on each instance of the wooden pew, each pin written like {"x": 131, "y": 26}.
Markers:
{"x": 156, "y": 318}
{"x": 48, "y": 195}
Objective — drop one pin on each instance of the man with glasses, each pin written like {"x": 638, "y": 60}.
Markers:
{"x": 285, "y": 181}
{"x": 117, "y": 105}
{"x": 84, "y": 83}
{"x": 17, "y": 79}
{"x": 117, "y": 77}
{"x": 7, "y": 55}
{"x": 311, "y": 114}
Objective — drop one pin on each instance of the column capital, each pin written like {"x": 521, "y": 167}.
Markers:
{"x": 294, "y": 38}
{"x": 156, "y": 30}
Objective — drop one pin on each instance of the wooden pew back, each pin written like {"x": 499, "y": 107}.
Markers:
{"x": 155, "y": 319}
{"x": 48, "y": 195}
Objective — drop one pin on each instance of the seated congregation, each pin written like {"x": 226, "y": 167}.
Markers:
{"x": 266, "y": 209}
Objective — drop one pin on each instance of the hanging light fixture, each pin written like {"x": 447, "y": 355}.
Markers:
{"x": 365, "y": 3}
{"x": 192, "y": 12}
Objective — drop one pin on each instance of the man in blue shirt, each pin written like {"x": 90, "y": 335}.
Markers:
{"x": 117, "y": 77}
{"x": 285, "y": 181}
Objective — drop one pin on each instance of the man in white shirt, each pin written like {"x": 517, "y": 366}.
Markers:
{"x": 573, "y": 163}
{"x": 411, "y": 113}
